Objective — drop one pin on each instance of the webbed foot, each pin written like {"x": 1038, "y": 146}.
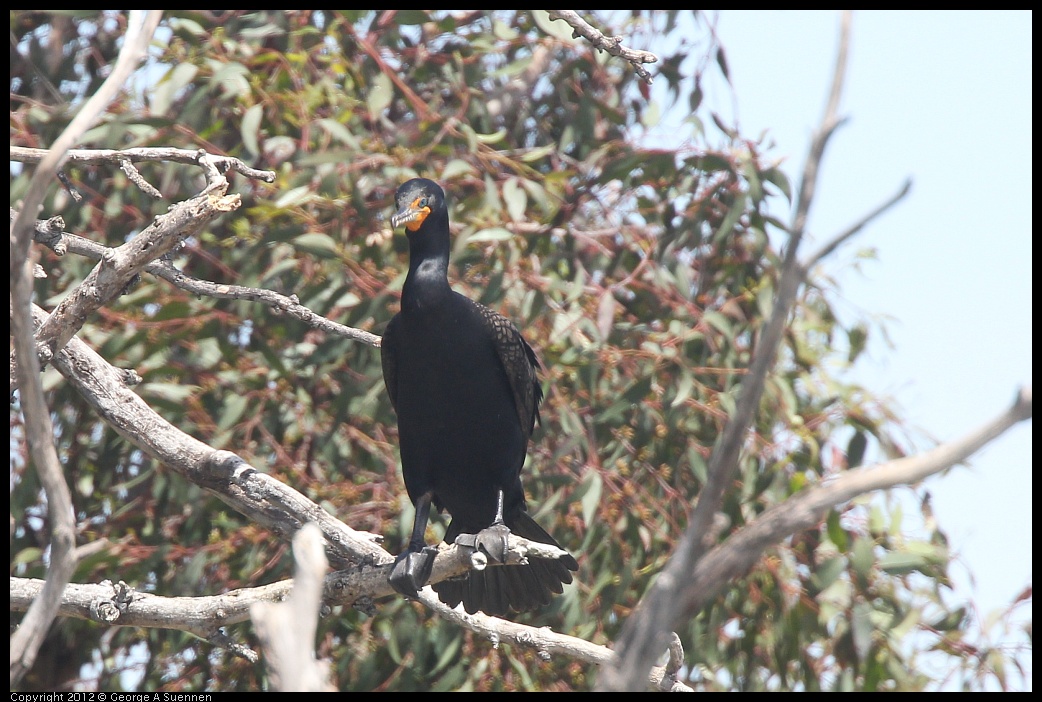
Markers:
{"x": 492, "y": 541}
{"x": 412, "y": 570}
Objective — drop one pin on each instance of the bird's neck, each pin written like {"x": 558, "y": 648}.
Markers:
{"x": 427, "y": 280}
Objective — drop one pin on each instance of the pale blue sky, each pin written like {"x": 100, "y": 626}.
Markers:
{"x": 943, "y": 98}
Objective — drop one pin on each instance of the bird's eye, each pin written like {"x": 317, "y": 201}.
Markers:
{"x": 423, "y": 202}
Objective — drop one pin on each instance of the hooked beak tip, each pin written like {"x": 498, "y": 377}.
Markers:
{"x": 408, "y": 216}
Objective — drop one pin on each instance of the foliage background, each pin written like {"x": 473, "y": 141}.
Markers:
{"x": 639, "y": 274}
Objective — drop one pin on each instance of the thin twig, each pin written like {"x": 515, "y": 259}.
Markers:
{"x": 141, "y": 154}
{"x": 613, "y": 45}
{"x": 137, "y": 179}
{"x": 853, "y": 229}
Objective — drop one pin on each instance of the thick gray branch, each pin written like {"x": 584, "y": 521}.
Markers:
{"x": 115, "y": 271}
{"x": 240, "y": 485}
{"x": 119, "y": 605}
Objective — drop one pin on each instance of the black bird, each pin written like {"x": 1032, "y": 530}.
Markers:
{"x": 463, "y": 383}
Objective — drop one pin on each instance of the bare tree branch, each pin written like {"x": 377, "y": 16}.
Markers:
{"x": 25, "y": 642}
{"x": 287, "y": 629}
{"x": 740, "y": 552}
{"x": 613, "y": 45}
{"x": 545, "y": 641}
{"x": 829, "y": 123}
{"x": 237, "y": 483}
{"x": 278, "y": 302}
{"x": 137, "y": 179}
{"x": 112, "y": 275}
{"x": 137, "y": 155}
{"x": 119, "y": 266}
{"x": 118, "y": 605}
{"x": 647, "y": 629}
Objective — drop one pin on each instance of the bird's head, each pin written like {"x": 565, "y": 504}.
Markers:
{"x": 414, "y": 202}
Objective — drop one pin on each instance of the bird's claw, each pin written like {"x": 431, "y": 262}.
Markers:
{"x": 412, "y": 570}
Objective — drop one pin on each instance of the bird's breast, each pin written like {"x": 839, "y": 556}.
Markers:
{"x": 451, "y": 381}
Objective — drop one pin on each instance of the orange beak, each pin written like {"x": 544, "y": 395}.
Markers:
{"x": 412, "y": 216}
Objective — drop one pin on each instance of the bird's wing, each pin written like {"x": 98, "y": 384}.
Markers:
{"x": 520, "y": 363}
{"x": 389, "y": 360}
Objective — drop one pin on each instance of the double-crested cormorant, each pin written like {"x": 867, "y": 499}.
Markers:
{"x": 463, "y": 383}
